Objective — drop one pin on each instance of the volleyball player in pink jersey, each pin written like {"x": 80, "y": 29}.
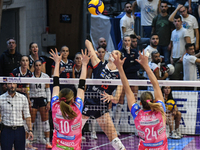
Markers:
{"x": 67, "y": 110}
{"x": 150, "y": 121}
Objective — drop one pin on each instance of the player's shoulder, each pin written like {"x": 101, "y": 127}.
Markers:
{"x": 44, "y": 75}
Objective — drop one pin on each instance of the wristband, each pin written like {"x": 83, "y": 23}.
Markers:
{"x": 56, "y": 81}
{"x": 81, "y": 84}
{"x": 30, "y": 131}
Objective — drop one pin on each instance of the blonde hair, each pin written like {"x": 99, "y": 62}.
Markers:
{"x": 150, "y": 105}
{"x": 65, "y": 97}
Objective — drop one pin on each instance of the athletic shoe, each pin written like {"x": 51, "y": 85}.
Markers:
{"x": 173, "y": 135}
{"x": 93, "y": 135}
{"x": 48, "y": 146}
{"x": 41, "y": 140}
{"x": 83, "y": 138}
{"x": 179, "y": 133}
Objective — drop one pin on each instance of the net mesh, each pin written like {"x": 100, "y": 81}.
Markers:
{"x": 183, "y": 115}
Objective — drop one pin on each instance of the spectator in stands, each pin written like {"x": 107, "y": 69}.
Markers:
{"x": 9, "y": 60}
{"x": 133, "y": 41}
{"x": 131, "y": 67}
{"x": 40, "y": 97}
{"x": 155, "y": 66}
{"x": 179, "y": 38}
{"x": 102, "y": 43}
{"x": 154, "y": 41}
{"x": 12, "y": 106}
{"x": 190, "y": 61}
{"x": 193, "y": 8}
{"x": 163, "y": 28}
{"x": 173, "y": 115}
{"x": 189, "y": 22}
{"x": 176, "y": 2}
{"x": 33, "y": 56}
{"x": 127, "y": 24}
{"x": 149, "y": 9}
{"x": 66, "y": 66}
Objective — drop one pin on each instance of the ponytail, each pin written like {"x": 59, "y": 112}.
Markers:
{"x": 65, "y": 96}
{"x": 157, "y": 107}
{"x": 67, "y": 111}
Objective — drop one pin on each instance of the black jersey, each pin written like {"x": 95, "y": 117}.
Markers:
{"x": 101, "y": 71}
{"x": 31, "y": 60}
{"x": 17, "y": 73}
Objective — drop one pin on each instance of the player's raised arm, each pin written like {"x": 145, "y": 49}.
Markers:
{"x": 144, "y": 62}
{"x": 81, "y": 86}
{"x": 129, "y": 94}
{"x": 57, "y": 59}
{"x": 94, "y": 59}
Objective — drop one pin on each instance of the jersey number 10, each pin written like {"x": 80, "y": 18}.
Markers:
{"x": 64, "y": 126}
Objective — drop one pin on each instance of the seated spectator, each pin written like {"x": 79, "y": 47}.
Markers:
{"x": 173, "y": 115}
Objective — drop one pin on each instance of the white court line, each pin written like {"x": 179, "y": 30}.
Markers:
{"x": 110, "y": 142}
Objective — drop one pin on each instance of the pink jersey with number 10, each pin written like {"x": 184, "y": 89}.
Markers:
{"x": 67, "y": 133}
{"x": 151, "y": 128}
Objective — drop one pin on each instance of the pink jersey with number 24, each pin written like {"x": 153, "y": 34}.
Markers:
{"x": 67, "y": 133}
{"x": 151, "y": 128}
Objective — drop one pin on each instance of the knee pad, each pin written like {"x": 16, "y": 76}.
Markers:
{"x": 45, "y": 126}
{"x": 117, "y": 144}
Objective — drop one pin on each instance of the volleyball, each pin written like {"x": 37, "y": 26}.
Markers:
{"x": 95, "y": 7}
{"x": 170, "y": 105}
{"x": 170, "y": 69}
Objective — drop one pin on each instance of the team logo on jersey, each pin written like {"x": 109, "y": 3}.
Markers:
{"x": 102, "y": 74}
{"x": 75, "y": 127}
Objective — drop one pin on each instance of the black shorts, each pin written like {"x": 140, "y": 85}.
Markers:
{"x": 94, "y": 111}
{"x": 38, "y": 102}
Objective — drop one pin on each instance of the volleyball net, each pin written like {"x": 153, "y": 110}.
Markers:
{"x": 186, "y": 95}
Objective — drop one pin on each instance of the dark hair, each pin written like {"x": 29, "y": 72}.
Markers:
{"x": 132, "y": 36}
{"x": 166, "y": 2}
{"x": 30, "y": 46}
{"x": 126, "y": 36}
{"x": 188, "y": 45}
{"x": 177, "y": 17}
{"x": 37, "y": 61}
{"x": 154, "y": 52}
{"x": 170, "y": 94}
{"x": 64, "y": 46}
{"x": 126, "y": 4}
{"x": 10, "y": 39}
{"x": 100, "y": 47}
{"x": 24, "y": 56}
{"x": 153, "y": 35}
{"x": 67, "y": 111}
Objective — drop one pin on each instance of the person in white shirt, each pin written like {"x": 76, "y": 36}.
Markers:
{"x": 12, "y": 106}
{"x": 190, "y": 61}
{"x": 179, "y": 38}
{"x": 154, "y": 40}
{"x": 149, "y": 9}
{"x": 127, "y": 25}
{"x": 189, "y": 22}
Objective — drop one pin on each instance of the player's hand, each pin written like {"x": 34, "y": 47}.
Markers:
{"x": 55, "y": 56}
{"x": 171, "y": 60}
{"x": 180, "y": 60}
{"x": 117, "y": 61}
{"x": 85, "y": 57}
{"x": 106, "y": 97}
{"x": 138, "y": 37}
{"x": 143, "y": 58}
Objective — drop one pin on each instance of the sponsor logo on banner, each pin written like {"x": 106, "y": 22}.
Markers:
{"x": 106, "y": 82}
{"x": 12, "y": 80}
